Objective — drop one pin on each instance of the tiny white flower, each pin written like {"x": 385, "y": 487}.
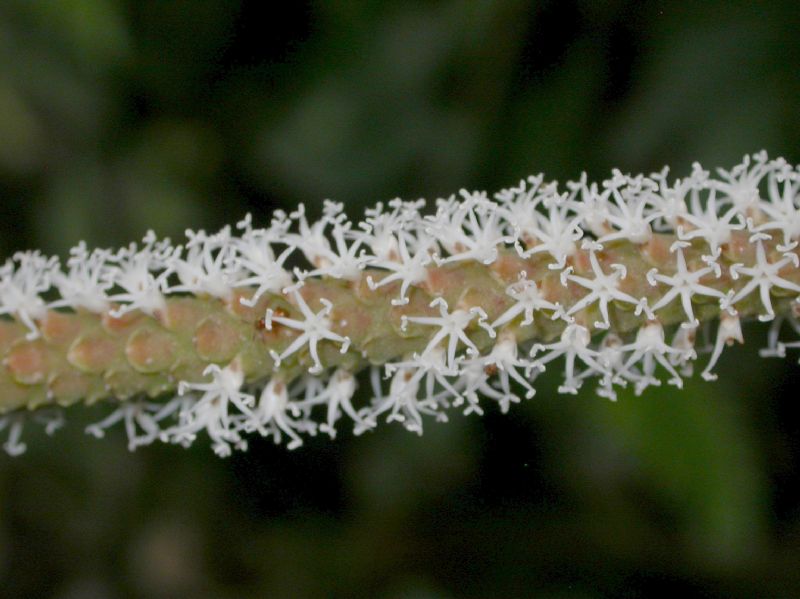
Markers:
{"x": 728, "y": 331}
{"x": 315, "y": 328}
{"x": 23, "y": 280}
{"x": 528, "y": 299}
{"x": 603, "y": 288}
{"x": 684, "y": 284}
{"x": 214, "y": 411}
{"x": 648, "y": 350}
{"x": 452, "y": 329}
{"x": 764, "y": 276}
{"x": 574, "y": 344}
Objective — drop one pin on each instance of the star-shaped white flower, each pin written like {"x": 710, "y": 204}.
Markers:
{"x": 574, "y": 343}
{"x": 407, "y": 269}
{"x": 218, "y": 410}
{"x": 647, "y": 351}
{"x": 603, "y": 288}
{"x": 684, "y": 284}
{"x": 202, "y": 266}
{"x": 21, "y": 288}
{"x": 315, "y": 328}
{"x": 271, "y": 416}
{"x": 629, "y": 213}
{"x": 452, "y": 327}
{"x": 83, "y": 286}
{"x": 504, "y": 362}
{"x": 764, "y": 276}
{"x": 557, "y": 233}
{"x": 254, "y": 258}
{"x": 528, "y": 299}
{"x": 703, "y": 222}
{"x": 473, "y": 230}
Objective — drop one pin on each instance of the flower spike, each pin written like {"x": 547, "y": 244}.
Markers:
{"x": 266, "y": 330}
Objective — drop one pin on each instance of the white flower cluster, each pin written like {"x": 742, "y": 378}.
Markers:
{"x": 400, "y": 244}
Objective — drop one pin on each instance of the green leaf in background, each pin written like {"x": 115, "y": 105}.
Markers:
{"x": 119, "y": 116}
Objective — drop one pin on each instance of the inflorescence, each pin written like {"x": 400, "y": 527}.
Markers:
{"x": 271, "y": 330}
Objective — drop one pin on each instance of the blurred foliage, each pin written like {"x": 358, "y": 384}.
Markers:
{"x": 116, "y": 117}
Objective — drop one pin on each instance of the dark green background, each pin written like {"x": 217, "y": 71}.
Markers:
{"x": 119, "y": 116}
